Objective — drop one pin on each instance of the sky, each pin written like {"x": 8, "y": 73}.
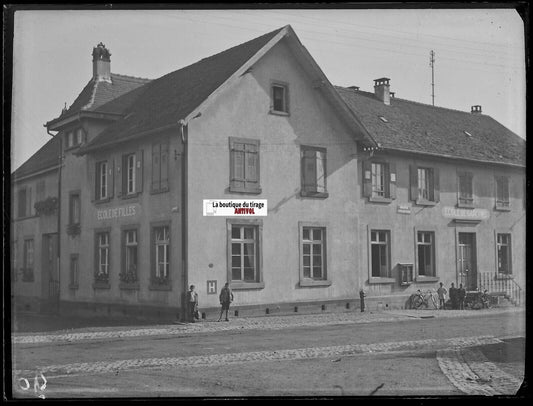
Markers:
{"x": 479, "y": 54}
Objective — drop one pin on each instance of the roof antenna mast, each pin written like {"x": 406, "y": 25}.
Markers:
{"x": 432, "y": 65}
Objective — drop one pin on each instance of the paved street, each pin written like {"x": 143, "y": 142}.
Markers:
{"x": 404, "y": 352}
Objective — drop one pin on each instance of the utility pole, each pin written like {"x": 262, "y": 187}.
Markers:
{"x": 432, "y": 64}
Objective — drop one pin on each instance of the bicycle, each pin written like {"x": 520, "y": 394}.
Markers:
{"x": 429, "y": 298}
{"x": 480, "y": 300}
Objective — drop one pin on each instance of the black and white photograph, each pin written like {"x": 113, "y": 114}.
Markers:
{"x": 265, "y": 202}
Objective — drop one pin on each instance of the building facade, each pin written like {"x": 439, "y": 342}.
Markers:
{"x": 364, "y": 190}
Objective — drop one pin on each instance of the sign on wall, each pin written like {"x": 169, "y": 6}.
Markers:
{"x": 211, "y": 287}
{"x": 239, "y": 207}
{"x": 465, "y": 214}
{"x": 116, "y": 212}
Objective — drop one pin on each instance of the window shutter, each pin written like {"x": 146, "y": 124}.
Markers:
{"x": 250, "y": 170}
{"x": 436, "y": 185}
{"x": 97, "y": 178}
{"x": 309, "y": 171}
{"x": 392, "y": 180}
{"x": 111, "y": 178}
{"x": 237, "y": 162}
{"x": 139, "y": 171}
{"x": 164, "y": 166}
{"x": 29, "y": 209}
{"x": 367, "y": 178}
{"x": 413, "y": 179}
{"x": 156, "y": 166}
{"x": 320, "y": 171}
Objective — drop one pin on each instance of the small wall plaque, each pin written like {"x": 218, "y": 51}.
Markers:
{"x": 211, "y": 287}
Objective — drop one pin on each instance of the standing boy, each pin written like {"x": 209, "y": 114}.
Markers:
{"x": 226, "y": 297}
{"x": 441, "y": 291}
{"x": 192, "y": 303}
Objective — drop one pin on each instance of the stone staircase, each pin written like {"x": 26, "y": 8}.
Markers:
{"x": 503, "y": 289}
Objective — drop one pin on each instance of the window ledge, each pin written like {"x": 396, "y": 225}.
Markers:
{"x": 101, "y": 201}
{"x": 129, "y": 286}
{"x": 73, "y": 286}
{"x": 279, "y": 113}
{"x": 377, "y": 280}
{"x": 247, "y": 285}
{"x": 503, "y": 276}
{"x": 130, "y": 196}
{"x": 250, "y": 191}
{"x": 160, "y": 287}
{"x": 424, "y": 202}
{"x": 428, "y": 279}
{"x": 466, "y": 205}
{"x": 101, "y": 285}
{"x": 316, "y": 195}
{"x": 375, "y": 199}
{"x": 158, "y": 191}
{"x": 502, "y": 208}
{"x": 313, "y": 282}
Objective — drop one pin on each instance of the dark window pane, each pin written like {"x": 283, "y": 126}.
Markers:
{"x": 236, "y": 249}
{"x": 317, "y": 272}
{"x": 236, "y": 261}
{"x": 375, "y": 260}
{"x": 235, "y": 232}
{"x": 236, "y": 274}
{"x": 307, "y": 272}
{"x": 317, "y": 235}
{"x": 249, "y": 261}
{"x": 307, "y": 249}
{"x": 305, "y": 234}
{"x": 248, "y": 233}
{"x": 307, "y": 260}
{"x": 249, "y": 274}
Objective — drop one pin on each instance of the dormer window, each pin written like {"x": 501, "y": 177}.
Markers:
{"x": 279, "y": 99}
{"x": 74, "y": 138}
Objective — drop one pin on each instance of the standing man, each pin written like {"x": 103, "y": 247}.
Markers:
{"x": 192, "y": 303}
{"x": 226, "y": 297}
{"x": 441, "y": 291}
{"x": 362, "y": 295}
{"x": 461, "y": 295}
{"x": 453, "y": 296}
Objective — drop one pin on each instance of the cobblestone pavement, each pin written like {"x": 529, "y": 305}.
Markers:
{"x": 471, "y": 372}
{"x": 89, "y": 368}
{"x": 248, "y": 323}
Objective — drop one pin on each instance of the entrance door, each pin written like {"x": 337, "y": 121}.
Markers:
{"x": 467, "y": 260}
{"x": 50, "y": 269}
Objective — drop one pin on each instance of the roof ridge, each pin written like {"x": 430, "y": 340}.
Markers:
{"x": 132, "y": 78}
{"x": 409, "y": 101}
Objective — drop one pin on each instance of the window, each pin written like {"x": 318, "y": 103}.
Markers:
{"x": 425, "y": 249}
{"x": 102, "y": 257}
{"x": 244, "y": 253}
{"x": 132, "y": 166}
{"x": 465, "y": 195}
{"x": 130, "y": 255}
{"x": 313, "y": 258}
{"x": 503, "y": 246}
{"x": 79, "y": 136}
{"x": 424, "y": 185}
{"x": 380, "y": 253}
{"x": 502, "y": 192}
{"x": 27, "y": 271}
{"x": 160, "y": 167}
{"x": 102, "y": 180}
{"x": 279, "y": 99}
{"x": 244, "y": 165}
{"x": 39, "y": 190}
{"x": 74, "y": 208}
{"x": 379, "y": 181}
{"x": 130, "y": 174}
{"x": 161, "y": 259}
{"x": 313, "y": 164}
{"x": 22, "y": 202}
{"x": 70, "y": 139}
{"x": 14, "y": 261}
{"x": 74, "y": 271}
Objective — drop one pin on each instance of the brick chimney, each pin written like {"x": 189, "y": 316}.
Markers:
{"x": 382, "y": 90}
{"x": 476, "y": 109}
{"x": 101, "y": 63}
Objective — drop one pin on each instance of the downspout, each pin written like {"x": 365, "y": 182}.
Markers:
{"x": 183, "y": 128}
{"x": 60, "y": 158}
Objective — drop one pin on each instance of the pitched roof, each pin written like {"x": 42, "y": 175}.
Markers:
{"x": 97, "y": 93}
{"x": 46, "y": 157}
{"x": 173, "y": 96}
{"x": 422, "y": 128}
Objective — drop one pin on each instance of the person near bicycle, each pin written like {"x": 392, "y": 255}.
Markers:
{"x": 461, "y": 296}
{"x": 442, "y": 292}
